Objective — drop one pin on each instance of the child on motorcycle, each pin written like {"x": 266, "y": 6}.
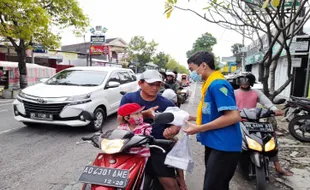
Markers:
{"x": 133, "y": 121}
{"x": 248, "y": 98}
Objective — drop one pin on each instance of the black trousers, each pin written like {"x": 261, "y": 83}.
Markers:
{"x": 220, "y": 168}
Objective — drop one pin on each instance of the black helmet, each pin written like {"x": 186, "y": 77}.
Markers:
{"x": 246, "y": 78}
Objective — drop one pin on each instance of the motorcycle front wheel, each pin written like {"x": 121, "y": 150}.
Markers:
{"x": 303, "y": 123}
{"x": 260, "y": 178}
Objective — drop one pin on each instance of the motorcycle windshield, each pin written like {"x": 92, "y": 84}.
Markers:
{"x": 253, "y": 113}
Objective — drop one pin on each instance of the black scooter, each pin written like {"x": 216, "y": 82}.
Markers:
{"x": 259, "y": 143}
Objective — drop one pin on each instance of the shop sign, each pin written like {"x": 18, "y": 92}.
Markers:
{"x": 97, "y": 39}
{"x": 99, "y": 50}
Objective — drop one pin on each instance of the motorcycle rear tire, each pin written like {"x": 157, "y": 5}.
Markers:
{"x": 292, "y": 124}
{"x": 260, "y": 178}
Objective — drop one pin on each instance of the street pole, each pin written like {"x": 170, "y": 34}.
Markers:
{"x": 307, "y": 75}
{"x": 243, "y": 52}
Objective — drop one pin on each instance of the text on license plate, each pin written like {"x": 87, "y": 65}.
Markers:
{"x": 260, "y": 127}
{"x": 43, "y": 116}
{"x": 105, "y": 176}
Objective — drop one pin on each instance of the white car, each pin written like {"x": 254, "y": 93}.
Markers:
{"x": 62, "y": 99}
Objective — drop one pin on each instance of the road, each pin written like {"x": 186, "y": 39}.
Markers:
{"x": 47, "y": 157}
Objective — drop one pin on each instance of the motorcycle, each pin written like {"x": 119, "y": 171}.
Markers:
{"x": 258, "y": 144}
{"x": 114, "y": 167}
{"x": 292, "y": 109}
{"x": 301, "y": 119}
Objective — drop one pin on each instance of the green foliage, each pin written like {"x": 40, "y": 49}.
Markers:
{"x": 174, "y": 65}
{"x": 141, "y": 51}
{"x": 205, "y": 42}
{"x": 161, "y": 59}
{"x": 235, "y": 49}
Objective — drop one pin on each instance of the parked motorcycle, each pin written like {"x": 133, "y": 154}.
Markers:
{"x": 300, "y": 117}
{"x": 292, "y": 109}
{"x": 258, "y": 144}
{"x": 114, "y": 167}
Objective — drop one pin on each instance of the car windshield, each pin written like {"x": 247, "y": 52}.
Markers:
{"x": 78, "y": 78}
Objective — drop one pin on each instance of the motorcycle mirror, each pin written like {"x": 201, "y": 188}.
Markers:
{"x": 88, "y": 116}
{"x": 279, "y": 101}
{"x": 163, "y": 118}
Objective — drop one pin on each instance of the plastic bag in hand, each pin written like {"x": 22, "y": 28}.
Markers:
{"x": 180, "y": 155}
{"x": 179, "y": 115}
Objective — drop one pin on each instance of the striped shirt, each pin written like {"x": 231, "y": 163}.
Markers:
{"x": 139, "y": 130}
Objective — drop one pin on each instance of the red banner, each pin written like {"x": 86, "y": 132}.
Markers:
{"x": 99, "y": 50}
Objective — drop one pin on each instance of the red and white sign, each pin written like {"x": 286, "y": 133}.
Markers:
{"x": 99, "y": 50}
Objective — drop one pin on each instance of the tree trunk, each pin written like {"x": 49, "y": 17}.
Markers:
{"x": 272, "y": 76}
{"x": 21, "y": 53}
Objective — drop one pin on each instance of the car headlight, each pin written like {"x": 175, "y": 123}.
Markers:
{"x": 21, "y": 94}
{"x": 112, "y": 146}
{"x": 79, "y": 99}
{"x": 270, "y": 145}
{"x": 253, "y": 144}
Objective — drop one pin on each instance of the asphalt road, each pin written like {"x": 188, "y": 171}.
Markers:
{"x": 47, "y": 157}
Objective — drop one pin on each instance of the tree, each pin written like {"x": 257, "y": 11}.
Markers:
{"x": 205, "y": 42}
{"x": 272, "y": 22}
{"x": 28, "y": 22}
{"x": 173, "y": 65}
{"x": 140, "y": 51}
{"x": 161, "y": 59}
{"x": 236, "y": 50}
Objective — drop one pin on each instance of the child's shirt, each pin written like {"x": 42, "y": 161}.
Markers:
{"x": 139, "y": 130}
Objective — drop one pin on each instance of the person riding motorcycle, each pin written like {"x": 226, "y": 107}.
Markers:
{"x": 248, "y": 98}
{"x": 171, "y": 83}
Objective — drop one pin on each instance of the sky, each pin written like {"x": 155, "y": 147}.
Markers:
{"x": 175, "y": 36}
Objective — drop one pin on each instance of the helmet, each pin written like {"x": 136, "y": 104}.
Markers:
{"x": 170, "y": 74}
{"x": 246, "y": 78}
{"x": 170, "y": 95}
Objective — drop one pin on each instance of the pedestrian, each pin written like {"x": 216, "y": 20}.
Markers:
{"x": 148, "y": 97}
{"x": 217, "y": 122}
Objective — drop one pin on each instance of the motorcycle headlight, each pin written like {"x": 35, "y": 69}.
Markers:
{"x": 253, "y": 144}
{"x": 79, "y": 99}
{"x": 111, "y": 146}
{"x": 270, "y": 145}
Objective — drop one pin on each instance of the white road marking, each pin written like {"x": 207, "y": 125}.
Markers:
{"x": 4, "y": 110}
{"x": 6, "y": 131}
{"x": 6, "y": 101}
{"x": 5, "y": 104}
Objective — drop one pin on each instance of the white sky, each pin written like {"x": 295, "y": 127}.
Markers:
{"x": 128, "y": 18}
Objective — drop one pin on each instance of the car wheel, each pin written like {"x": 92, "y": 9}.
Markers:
{"x": 97, "y": 124}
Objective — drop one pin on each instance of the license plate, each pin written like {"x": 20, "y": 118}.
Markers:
{"x": 258, "y": 127}
{"x": 105, "y": 176}
{"x": 41, "y": 116}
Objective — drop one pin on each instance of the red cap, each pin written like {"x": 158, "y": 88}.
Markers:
{"x": 129, "y": 108}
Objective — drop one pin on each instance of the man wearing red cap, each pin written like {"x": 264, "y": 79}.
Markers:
{"x": 147, "y": 96}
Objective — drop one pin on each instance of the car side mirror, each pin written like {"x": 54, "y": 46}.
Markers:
{"x": 113, "y": 84}
{"x": 43, "y": 80}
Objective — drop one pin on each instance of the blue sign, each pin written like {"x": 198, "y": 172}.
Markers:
{"x": 38, "y": 49}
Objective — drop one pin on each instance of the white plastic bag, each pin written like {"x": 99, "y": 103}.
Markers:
{"x": 180, "y": 155}
{"x": 179, "y": 115}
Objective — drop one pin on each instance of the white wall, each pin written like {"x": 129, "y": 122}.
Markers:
{"x": 280, "y": 76}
